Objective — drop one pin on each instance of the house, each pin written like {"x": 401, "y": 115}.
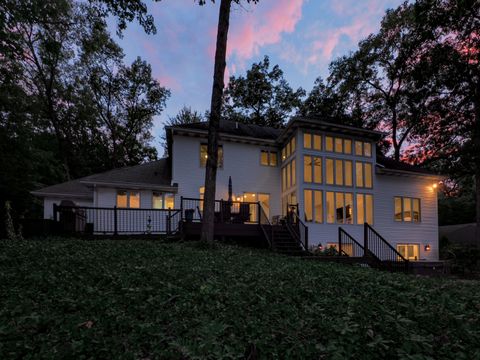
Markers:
{"x": 330, "y": 174}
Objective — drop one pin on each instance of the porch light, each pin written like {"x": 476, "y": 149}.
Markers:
{"x": 427, "y": 247}
{"x": 435, "y": 185}
{"x": 320, "y": 247}
{"x": 238, "y": 198}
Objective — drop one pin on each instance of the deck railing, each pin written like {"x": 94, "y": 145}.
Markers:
{"x": 347, "y": 245}
{"x": 376, "y": 246}
{"x": 116, "y": 221}
{"x": 236, "y": 212}
{"x": 266, "y": 226}
{"x": 297, "y": 229}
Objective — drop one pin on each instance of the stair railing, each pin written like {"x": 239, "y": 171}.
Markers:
{"x": 297, "y": 229}
{"x": 389, "y": 257}
{"x": 265, "y": 225}
{"x": 348, "y": 246}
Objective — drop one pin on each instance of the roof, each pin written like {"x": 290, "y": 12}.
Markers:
{"x": 152, "y": 175}
{"x": 236, "y": 129}
{"x": 73, "y": 188}
{"x": 391, "y": 164}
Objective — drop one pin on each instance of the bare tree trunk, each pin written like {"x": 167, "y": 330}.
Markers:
{"x": 214, "y": 123}
{"x": 476, "y": 137}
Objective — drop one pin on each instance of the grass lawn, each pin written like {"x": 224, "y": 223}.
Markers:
{"x": 148, "y": 300}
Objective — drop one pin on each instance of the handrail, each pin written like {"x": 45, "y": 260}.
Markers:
{"x": 293, "y": 221}
{"x": 264, "y": 222}
{"x": 357, "y": 248}
{"x": 376, "y": 245}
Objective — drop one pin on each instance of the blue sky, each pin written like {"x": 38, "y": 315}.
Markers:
{"x": 301, "y": 36}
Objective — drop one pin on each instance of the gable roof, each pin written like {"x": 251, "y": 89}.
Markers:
{"x": 153, "y": 175}
{"x": 235, "y": 128}
{"x": 73, "y": 188}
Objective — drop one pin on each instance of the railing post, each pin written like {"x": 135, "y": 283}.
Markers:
{"x": 169, "y": 222}
{"x": 181, "y": 207}
{"x": 115, "y": 221}
{"x": 365, "y": 238}
{"x": 258, "y": 211}
{"x": 339, "y": 241}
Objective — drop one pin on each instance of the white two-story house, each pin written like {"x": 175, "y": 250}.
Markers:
{"x": 331, "y": 173}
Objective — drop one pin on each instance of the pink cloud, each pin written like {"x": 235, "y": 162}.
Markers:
{"x": 263, "y": 26}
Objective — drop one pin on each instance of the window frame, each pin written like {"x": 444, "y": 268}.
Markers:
{"x": 312, "y": 166}
{"x": 365, "y": 208}
{"x": 220, "y": 154}
{"x": 313, "y": 194}
{"x": 402, "y": 209}
{"x": 128, "y": 195}
{"x": 269, "y": 154}
{"x": 406, "y": 253}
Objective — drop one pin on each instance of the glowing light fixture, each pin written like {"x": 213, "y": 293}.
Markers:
{"x": 435, "y": 185}
{"x": 427, "y": 247}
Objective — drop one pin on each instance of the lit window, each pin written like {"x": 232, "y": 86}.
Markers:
{"x": 368, "y": 175}
{"x": 330, "y": 207}
{"x": 407, "y": 209}
{"x": 284, "y": 178}
{"x": 317, "y": 142}
{"x": 307, "y": 169}
{"x": 338, "y": 145}
{"x": 339, "y": 172}
{"x": 318, "y": 201}
{"x": 289, "y": 175}
{"x": 360, "y": 209}
{"x": 134, "y": 200}
{"x": 367, "y": 149}
{"x": 284, "y": 155}
{"x": 359, "y": 174}
{"x": 308, "y": 205}
{"x": 122, "y": 199}
{"x": 348, "y": 208}
{"x": 317, "y": 170}
{"x": 268, "y": 158}
{"x": 264, "y": 158}
{"x": 204, "y": 155}
{"x": 294, "y": 177}
{"x": 409, "y": 251}
{"x": 369, "y": 208}
{"x": 293, "y": 144}
{"x": 169, "y": 201}
{"x": 339, "y": 207}
{"x": 348, "y": 173}
{"x": 157, "y": 200}
{"x": 273, "y": 159}
{"x": 347, "y": 146}
{"x": 358, "y": 148}
{"x": 329, "y": 171}
{"x": 201, "y": 192}
{"x": 288, "y": 151}
{"x": 307, "y": 141}
{"x": 364, "y": 208}
{"x": 329, "y": 143}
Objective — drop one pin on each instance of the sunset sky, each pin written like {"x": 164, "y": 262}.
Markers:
{"x": 302, "y": 36}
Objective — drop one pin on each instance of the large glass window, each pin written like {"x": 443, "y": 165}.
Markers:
{"x": 166, "y": 201}
{"x": 347, "y": 146}
{"x": 313, "y": 201}
{"x": 364, "y": 208}
{"x": 359, "y": 174}
{"x": 409, "y": 251}
{"x": 312, "y": 169}
{"x": 339, "y": 172}
{"x": 348, "y": 173}
{"x": 339, "y": 207}
{"x": 204, "y": 155}
{"x": 330, "y": 207}
{"x": 363, "y": 148}
{"x": 289, "y": 177}
{"x": 407, "y": 209}
{"x": 294, "y": 174}
{"x": 307, "y": 169}
{"x": 317, "y": 170}
{"x": 317, "y": 142}
{"x": 307, "y": 140}
{"x": 289, "y": 148}
{"x": 363, "y": 175}
{"x": 329, "y": 143}
{"x": 169, "y": 201}
{"x": 157, "y": 200}
{"x": 122, "y": 199}
{"x": 128, "y": 199}
{"x": 329, "y": 171}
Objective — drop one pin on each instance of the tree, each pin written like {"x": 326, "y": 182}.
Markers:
{"x": 377, "y": 79}
{"x": 207, "y": 233}
{"x": 185, "y": 116}
{"x": 262, "y": 97}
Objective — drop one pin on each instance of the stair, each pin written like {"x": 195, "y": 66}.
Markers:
{"x": 284, "y": 243}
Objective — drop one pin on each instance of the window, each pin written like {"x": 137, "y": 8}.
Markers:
{"x": 164, "y": 201}
{"x": 329, "y": 143}
{"x": 317, "y": 142}
{"x": 312, "y": 169}
{"x": 201, "y": 192}
{"x": 409, "y": 251}
{"x": 347, "y": 146}
{"x": 338, "y": 145}
{"x": 339, "y": 172}
{"x": 289, "y": 149}
{"x": 363, "y": 148}
{"x": 313, "y": 201}
{"x": 307, "y": 140}
{"x": 294, "y": 177}
{"x": 204, "y": 155}
{"x": 363, "y": 175}
{"x": 264, "y": 200}
{"x": 407, "y": 209}
{"x": 312, "y": 141}
{"x": 339, "y": 208}
{"x": 128, "y": 199}
{"x": 289, "y": 177}
{"x": 284, "y": 178}
{"x": 268, "y": 158}
{"x": 364, "y": 208}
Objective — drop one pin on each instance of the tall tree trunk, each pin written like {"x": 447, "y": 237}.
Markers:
{"x": 214, "y": 123}
{"x": 477, "y": 162}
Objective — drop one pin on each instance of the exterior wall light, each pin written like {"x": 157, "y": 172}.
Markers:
{"x": 427, "y": 247}
{"x": 435, "y": 185}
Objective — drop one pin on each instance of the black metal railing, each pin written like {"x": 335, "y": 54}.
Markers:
{"x": 235, "y": 212}
{"x": 347, "y": 245}
{"x": 115, "y": 221}
{"x": 265, "y": 225}
{"x": 377, "y": 247}
{"x": 297, "y": 229}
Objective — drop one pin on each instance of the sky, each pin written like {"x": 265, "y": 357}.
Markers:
{"x": 301, "y": 36}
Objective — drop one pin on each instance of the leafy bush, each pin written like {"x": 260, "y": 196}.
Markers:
{"x": 146, "y": 300}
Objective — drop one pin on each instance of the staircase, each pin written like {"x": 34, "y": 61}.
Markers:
{"x": 284, "y": 243}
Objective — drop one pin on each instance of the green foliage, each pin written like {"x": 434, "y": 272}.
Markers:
{"x": 261, "y": 97}
{"x": 139, "y": 299}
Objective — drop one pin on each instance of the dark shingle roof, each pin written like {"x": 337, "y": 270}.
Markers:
{"x": 237, "y": 128}
{"x": 152, "y": 174}
{"x": 72, "y": 188}
{"x": 392, "y": 164}
{"x": 155, "y": 173}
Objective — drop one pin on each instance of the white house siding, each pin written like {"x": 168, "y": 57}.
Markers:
{"x": 383, "y": 191}
{"x": 240, "y": 161}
